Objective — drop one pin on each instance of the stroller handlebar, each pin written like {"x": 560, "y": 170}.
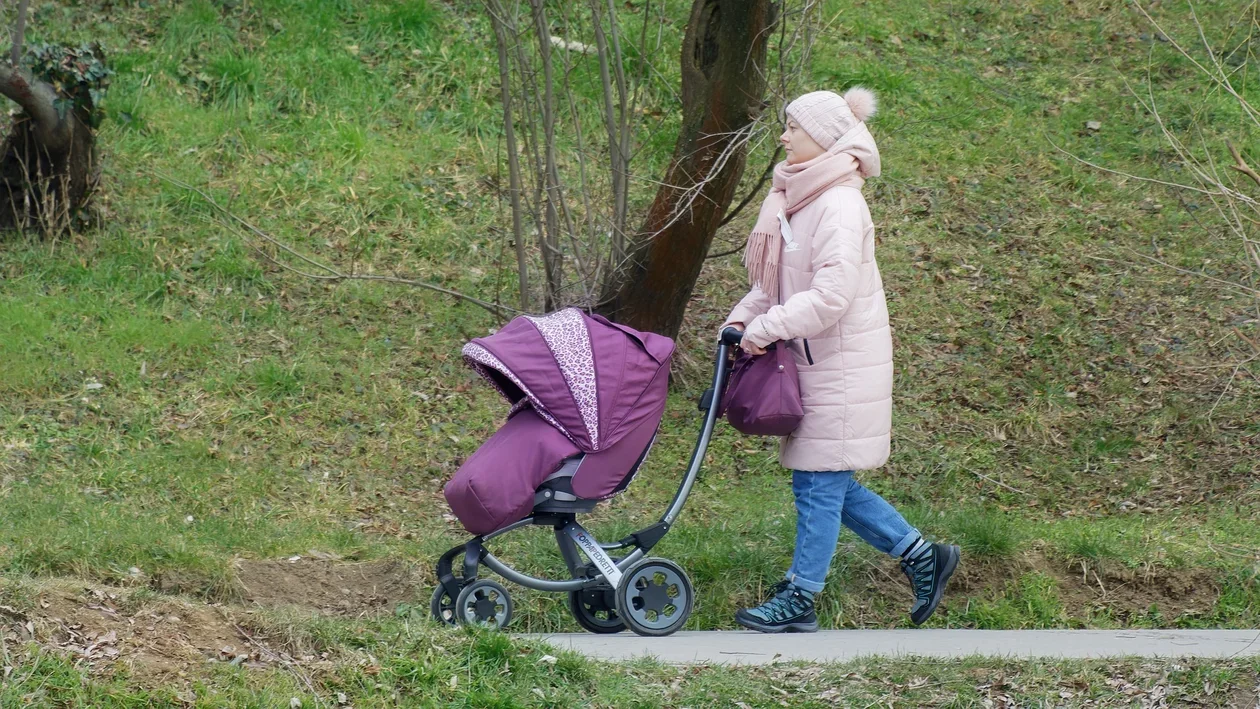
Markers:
{"x": 732, "y": 336}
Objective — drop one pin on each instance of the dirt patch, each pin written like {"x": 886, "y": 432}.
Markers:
{"x": 1123, "y": 592}
{"x": 329, "y": 587}
{"x": 169, "y": 641}
{"x": 157, "y": 642}
{"x": 1129, "y": 592}
{"x": 1244, "y": 696}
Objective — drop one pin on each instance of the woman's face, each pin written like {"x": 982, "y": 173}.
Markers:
{"x": 799, "y": 146}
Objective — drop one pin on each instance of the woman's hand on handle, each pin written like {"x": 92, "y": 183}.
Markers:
{"x": 745, "y": 344}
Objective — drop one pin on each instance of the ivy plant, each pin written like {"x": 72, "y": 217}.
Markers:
{"x": 78, "y": 74}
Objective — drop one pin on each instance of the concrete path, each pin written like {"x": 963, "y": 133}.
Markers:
{"x": 738, "y": 647}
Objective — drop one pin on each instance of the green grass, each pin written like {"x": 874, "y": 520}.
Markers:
{"x": 1060, "y": 400}
{"x": 490, "y": 671}
{"x": 985, "y": 533}
{"x": 401, "y": 661}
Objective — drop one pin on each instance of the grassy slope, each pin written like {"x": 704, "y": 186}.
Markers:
{"x": 249, "y": 412}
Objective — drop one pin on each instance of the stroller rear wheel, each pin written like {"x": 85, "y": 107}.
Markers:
{"x": 595, "y": 609}
{"x": 484, "y": 603}
{"x": 655, "y": 597}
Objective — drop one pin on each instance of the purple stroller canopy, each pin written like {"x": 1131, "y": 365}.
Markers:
{"x": 594, "y": 380}
{"x": 578, "y": 384}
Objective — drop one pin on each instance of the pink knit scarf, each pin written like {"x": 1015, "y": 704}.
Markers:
{"x": 793, "y": 187}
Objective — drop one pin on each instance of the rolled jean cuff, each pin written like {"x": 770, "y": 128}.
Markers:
{"x": 904, "y": 545}
{"x": 804, "y": 583}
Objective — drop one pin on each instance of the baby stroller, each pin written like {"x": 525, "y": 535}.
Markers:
{"x": 587, "y": 396}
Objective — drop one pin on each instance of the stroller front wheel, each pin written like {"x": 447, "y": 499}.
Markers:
{"x": 442, "y": 606}
{"x": 484, "y": 603}
{"x": 655, "y": 597}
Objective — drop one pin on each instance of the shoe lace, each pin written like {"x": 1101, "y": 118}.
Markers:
{"x": 922, "y": 574}
{"x": 783, "y": 605}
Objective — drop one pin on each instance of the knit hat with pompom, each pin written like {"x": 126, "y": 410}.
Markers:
{"x": 826, "y": 116}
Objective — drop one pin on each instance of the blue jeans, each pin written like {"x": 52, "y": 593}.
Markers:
{"x": 824, "y": 501}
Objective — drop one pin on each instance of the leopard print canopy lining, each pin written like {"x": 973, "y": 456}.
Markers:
{"x": 570, "y": 343}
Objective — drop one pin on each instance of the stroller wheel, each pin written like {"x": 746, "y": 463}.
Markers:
{"x": 442, "y": 606}
{"x": 484, "y": 603}
{"x": 655, "y": 597}
{"x": 595, "y": 609}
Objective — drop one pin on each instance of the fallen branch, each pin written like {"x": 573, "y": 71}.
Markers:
{"x": 1242, "y": 165}
{"x": 1130, "y": 176}
{"x": 1229, "y": 385}
{"x": 331, "y": 273}
{"x": 1199, "y": 274}
{"x": 995, "y": 482}
{"x": 1248, "y": 340}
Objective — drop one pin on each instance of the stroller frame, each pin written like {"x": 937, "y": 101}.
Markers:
{"x": 651, "y": 596}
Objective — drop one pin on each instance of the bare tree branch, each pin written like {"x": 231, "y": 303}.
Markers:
{"x": 19, "y": 34}
{"x": 514, "y": 159}
{"x": 1222, "y": 80}
{"x": 330, "y": 273}
{"x": 552, "y": 260}
{"x": 529, "y": 119}
{"x": 620, "y": 195}
{"x": 592, "y": 240}
{"x": 564, "y": 119}
{"x": 37, "y": 99}
{"x": 756, "y": 189}
{"x": 616, "y": 167}
{"x": 728, "y": 252}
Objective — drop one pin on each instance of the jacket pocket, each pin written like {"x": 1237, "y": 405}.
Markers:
{"x": 808, "y": 356}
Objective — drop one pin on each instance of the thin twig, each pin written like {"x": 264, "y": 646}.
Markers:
{"x": 514, "y": 160}
{"x": 285, "y": 661}
{"x": 1242, "y": 165}
{"x": 1124, "y": 174}
{"x": 1100, "y": 582}
{"x": 728, "y": 252}
{"x": 4, "y": 647}
{"x": 995, "y": 482}
{"x": 331, "y": 273}
{"x": 1229, "y": 385}
{"x": 622, "y": 146}
{"x": 756, "y": 190}
{"x": 549, "y": 240}
{"x": 1222, "y": 81}
{"x": 1199, "y": 274}
{"x": 584, "y": 186}
{"x": 1248, "y": 340}
{"x": 616, "y": 160}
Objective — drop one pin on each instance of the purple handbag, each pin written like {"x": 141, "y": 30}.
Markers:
{"x": 763, "y": 394}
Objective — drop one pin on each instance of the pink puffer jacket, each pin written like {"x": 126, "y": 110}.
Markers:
{"x": 832, "y": 312}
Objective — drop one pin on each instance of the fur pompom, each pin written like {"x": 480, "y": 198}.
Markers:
{"x": 861, "y": 101}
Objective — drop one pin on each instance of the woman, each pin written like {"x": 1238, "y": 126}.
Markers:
{"x": 816, "y": 289}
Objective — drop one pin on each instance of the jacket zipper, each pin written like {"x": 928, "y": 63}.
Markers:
{"x": 808, "y": 358}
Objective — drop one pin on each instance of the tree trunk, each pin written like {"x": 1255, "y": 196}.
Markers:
{"x": 44, "y": 186}
{"x": 723, "y": 88}
{"x": 48, "y": 165}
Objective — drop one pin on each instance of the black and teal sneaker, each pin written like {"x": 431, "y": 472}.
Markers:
{"x": 928, "y": 572}
{"x": 788, "y": 610}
